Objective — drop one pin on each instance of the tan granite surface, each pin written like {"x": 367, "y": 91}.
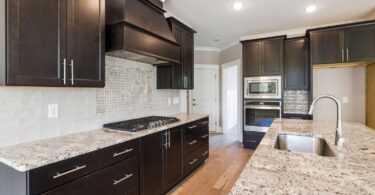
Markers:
{"x": 28, "y": 156}
{"x": 272, "y": 171}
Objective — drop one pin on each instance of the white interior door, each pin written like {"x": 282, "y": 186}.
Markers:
{"x": 205, "y": 93}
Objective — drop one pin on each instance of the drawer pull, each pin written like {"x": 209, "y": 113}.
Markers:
{"x": 123, "y": 152}
{"x": 204, "y": 136}
{"x": 193, "y": 126}
{"x": 252, "y": 141}
{"x": 69, "y": 172}
{"x": 193, "y": 142}
{"x": 205, "y": 153}
{"x": 204, "y": 123}
{"x": 115, "y": 182}
{"x": 193, "y": 161}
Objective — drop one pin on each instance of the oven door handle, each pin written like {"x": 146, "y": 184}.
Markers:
{"x": 263, "y": 107}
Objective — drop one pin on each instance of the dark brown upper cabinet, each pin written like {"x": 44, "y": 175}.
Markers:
{"x": 53, "y": 43}
{"x": 343, "y": 44}
{"x": 296, "y": 64}
{"x": 181, "y": 76}
{"x": 263, "y": 57}
{"x": 360, "y": 43}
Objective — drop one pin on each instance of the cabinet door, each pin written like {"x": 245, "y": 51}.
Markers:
{"x": 360, "y": 43}
{"x": 188, "y": 60}
{"x": 272, "y": 56}
{"x": 327, "y": 47}
{"x": 173, "y": 170}
{"x": 86, "y": 42}
{"x": 252, "y": 58}
{"x": 151, "y": 165}
{"x": 177, "y": 73}
{"x": 36, "y": 42}
{"x": 297, "y": 65}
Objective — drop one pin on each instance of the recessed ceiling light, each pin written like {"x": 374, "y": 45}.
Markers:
{"x": 311, "y": 9}
{"x": 237, "y": 5}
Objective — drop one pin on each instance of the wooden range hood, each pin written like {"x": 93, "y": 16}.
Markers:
{"x": 137, "y": 30}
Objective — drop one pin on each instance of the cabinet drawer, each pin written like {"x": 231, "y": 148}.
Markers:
{"x": 194, "y": 126}
{"x": 121, "y": 178}
{"x": 196, "y": 158}
{"x": 53, "y": 175}
{"x": 252, "y": 139}
{"x": 194, "y": 141}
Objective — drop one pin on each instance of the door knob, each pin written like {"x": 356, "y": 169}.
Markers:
{"x": 194, "y": 104}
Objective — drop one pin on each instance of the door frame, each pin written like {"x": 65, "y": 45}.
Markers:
{"x": 237, "y": 63}
{"x": 216, "y": 68}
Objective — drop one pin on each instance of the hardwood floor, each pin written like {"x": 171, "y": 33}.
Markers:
{"x": 220, "y": 172}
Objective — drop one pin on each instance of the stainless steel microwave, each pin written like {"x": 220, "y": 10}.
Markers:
{"x": 268, "y": 87}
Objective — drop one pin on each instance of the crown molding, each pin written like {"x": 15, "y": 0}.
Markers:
{"x": 207, "y": 49}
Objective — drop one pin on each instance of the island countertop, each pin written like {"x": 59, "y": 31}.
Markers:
{"x": 32, "y": 155}
{"x": 272, "y": 171}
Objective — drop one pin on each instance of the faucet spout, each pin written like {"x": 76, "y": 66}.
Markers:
{"x": 339, "y": 136}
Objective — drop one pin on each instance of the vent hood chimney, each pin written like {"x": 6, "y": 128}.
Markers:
{"x": 137, "y": 30}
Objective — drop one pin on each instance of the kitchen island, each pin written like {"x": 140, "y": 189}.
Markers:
{"x": 272, "y": 171}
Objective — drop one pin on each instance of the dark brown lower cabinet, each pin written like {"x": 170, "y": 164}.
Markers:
{"x": 150, "y": 165}
{"x": 172, "y": 159}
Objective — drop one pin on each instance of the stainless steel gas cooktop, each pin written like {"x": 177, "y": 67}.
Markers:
{"x": 140, "y": 124}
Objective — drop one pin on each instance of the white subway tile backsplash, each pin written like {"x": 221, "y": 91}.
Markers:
{"x": 130, "y": 92}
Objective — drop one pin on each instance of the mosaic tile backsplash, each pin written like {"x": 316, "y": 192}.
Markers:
{"x": 131, "y": 88}
{"x": 296, "y": 101}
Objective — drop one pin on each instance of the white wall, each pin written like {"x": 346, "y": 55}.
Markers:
{"x": 130, "y": 92}
{"x": 340, "y": 82}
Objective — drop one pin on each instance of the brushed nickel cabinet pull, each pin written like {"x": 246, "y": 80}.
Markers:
{"x": 166, "y": 140}
{"x": 193, "y": 126}
{"x": 72, "y": 71}
{"x": 204, "y": 136}
{"x": 64, "y": 66}
{"x": 252, "y": 141}
{"x": 115, "y": 182}
{"x": 123, "y": 152}
{"x": 205, "y": 153}
{"x": 347, "y": 55}
{"x": 193, "y": 142}
{"x": 77, "y": 168}
{"x": 193, "y": 161}
{"x": 204, "y": 123}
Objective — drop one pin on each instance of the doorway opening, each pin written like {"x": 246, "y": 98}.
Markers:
{"x": 231, "y": 98}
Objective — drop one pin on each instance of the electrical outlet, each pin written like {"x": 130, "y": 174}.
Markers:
{"x": 169, "y": 101}
{"x": 176, "y": 100}
{"x": 345, "y": 99}
{"x": 53, "y": 111}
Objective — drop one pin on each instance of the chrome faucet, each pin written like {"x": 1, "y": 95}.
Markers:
{"x": 339, "y": 138}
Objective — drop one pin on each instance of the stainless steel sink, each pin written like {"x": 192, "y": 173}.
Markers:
{"x": 304, "y": 144}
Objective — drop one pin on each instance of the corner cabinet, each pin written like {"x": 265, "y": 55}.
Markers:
{"x": 296, "y": 64}
{"x": 343, "y": 44}
{"x": 263, "y": 57}
{"x": 179, "y": 76}
{"x": 53, "y": 43}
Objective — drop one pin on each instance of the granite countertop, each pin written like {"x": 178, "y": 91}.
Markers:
{"x": 272, "y": 171}
{"x": 28, "y": 156}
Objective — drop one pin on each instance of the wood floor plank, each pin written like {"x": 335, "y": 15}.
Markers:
{"x": 220, "y": 171}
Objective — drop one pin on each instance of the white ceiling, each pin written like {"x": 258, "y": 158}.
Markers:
{"x": 216, "y": 19}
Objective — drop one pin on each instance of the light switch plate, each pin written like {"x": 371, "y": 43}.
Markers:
{"x": 53, "y": 111}
{"x": 345, "y": 99}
